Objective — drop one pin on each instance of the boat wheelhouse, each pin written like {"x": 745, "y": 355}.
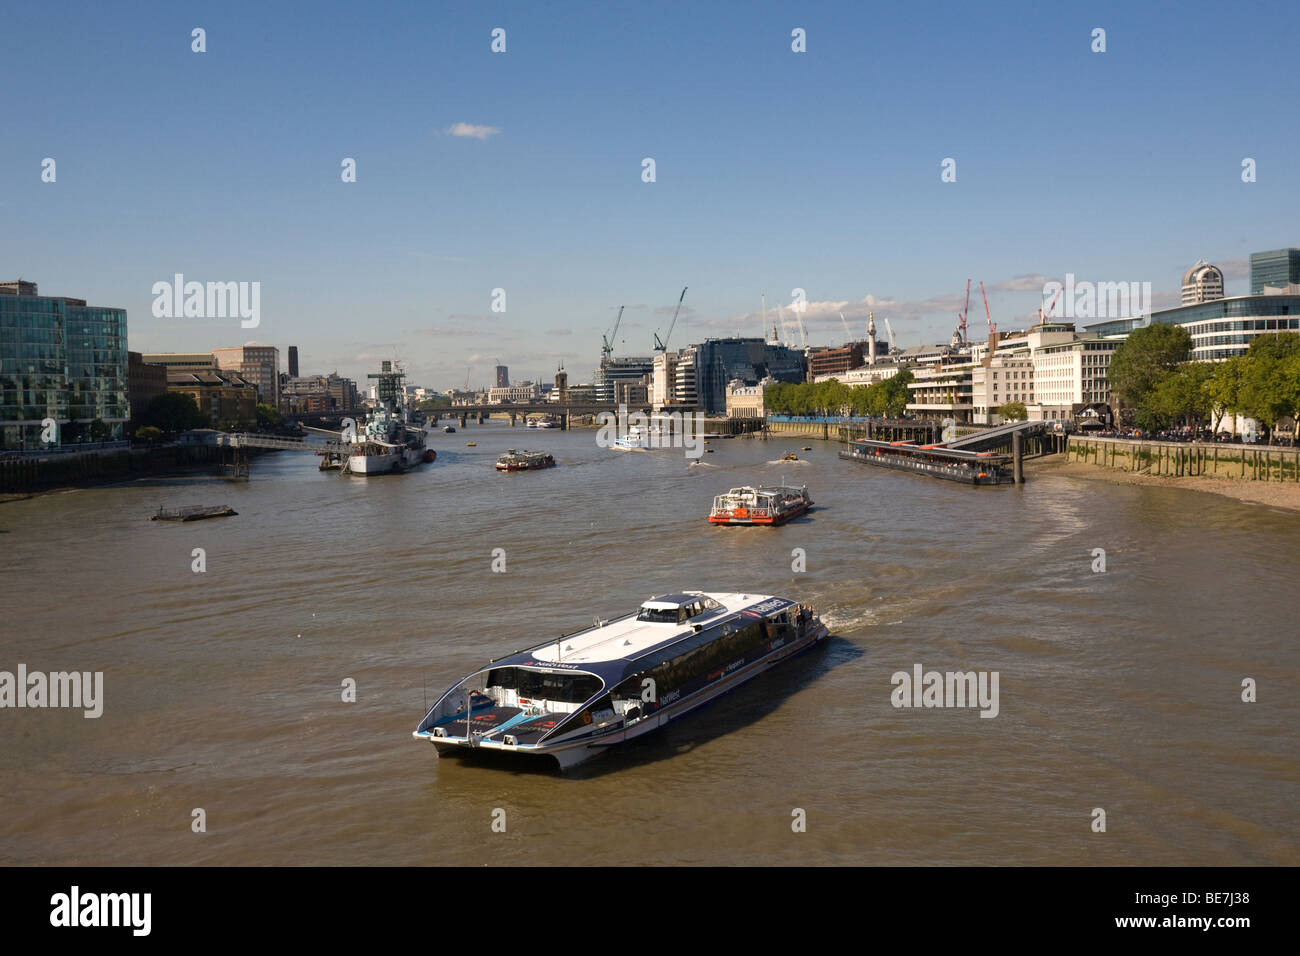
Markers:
{"x": 524, "y": 460}
{"x": 576, "y": 696}
{"x": 772, "y": 505}
{"x": 953, "y": 464}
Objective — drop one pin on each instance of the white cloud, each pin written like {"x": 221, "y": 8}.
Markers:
{"x": 469, "y": 129}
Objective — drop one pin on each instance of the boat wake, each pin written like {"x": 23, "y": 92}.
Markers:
{"x": 788, "y": 461}
{"x": 850, "y": 620}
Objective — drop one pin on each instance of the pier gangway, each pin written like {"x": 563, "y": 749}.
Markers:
{"x": 999, "y": 436}
{"x": 251, "y": 440}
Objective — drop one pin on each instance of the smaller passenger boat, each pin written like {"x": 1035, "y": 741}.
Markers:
{"x": 524, "y": 460}
{"x": 771, "y": 505}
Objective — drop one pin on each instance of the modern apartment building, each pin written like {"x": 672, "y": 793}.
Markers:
{"x": 319, "y": 395}
{"x": 1049, "y": 368}
{"x": 614, "y": 371}
{"x": 259, "y": 364}
{"x": 1201, "y": 283}
{"x": 62, "y": 361}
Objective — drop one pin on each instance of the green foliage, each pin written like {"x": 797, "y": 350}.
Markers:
{"x": 1143, "y": 359}
{"x": 173, "y": 412}
{"x": 148, "y": 433}
{"x": 1181, "y": 396}
{"x": 267, "y": 415}
{"x": 887, "y": 398}
{"x": 1014, "y": 412}
{"x": 1263, "y": 384}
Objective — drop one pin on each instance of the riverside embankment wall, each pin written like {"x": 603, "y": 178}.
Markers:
{"x": 1187, "y": 459}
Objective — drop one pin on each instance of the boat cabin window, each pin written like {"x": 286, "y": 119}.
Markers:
{"x": 674, "y": 615}
{"x": 539, "y": 685}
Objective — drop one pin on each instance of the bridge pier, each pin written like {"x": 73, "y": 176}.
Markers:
{"x": 462, "y": 420}
{"x": 482, "y": 417}
{"x": 564, "y": 421}
{"x": 512, "y": 419}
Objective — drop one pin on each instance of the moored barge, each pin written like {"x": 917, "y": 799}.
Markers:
{"x": 952, "y": 464}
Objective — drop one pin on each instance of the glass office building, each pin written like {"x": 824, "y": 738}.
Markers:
{"x": 1225, "y": 327}
{"x": 710, "y": 366}
{"x": 1279, "y": 268}
{"x": 60, "y": 359}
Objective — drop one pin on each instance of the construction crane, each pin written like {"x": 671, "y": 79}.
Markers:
{"x": 607, "y": 342}
{"x": 1042, "y": 312}
{"x": 661, "y": 345}
{"x": 467, "y": 368}
{"x": 992, "y": 328}
{"x": 961, "y": 316}
{"x": 890, "y": 330}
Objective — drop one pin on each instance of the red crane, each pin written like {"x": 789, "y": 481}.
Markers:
{"x": 992, "y": 328}
{"x": 1042, "y": 312}
{"x": 961, "y": 316}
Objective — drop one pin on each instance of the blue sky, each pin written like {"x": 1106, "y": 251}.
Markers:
{"x": 775, "y": 170}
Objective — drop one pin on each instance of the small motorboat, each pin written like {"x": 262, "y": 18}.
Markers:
{"x": 471, "y": 444}
{"x": 790, "y": 456}
{"x": 449, "y": 429}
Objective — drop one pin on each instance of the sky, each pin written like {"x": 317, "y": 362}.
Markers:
{"x": 523, "y": 170}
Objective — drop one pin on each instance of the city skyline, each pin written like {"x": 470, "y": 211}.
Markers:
{"x": 775, "y": 171}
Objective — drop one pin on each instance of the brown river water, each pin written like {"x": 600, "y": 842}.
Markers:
{"x": 222, "y": 690}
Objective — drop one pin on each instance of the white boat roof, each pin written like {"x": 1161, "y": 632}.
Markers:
{"x": 627, "y": 637}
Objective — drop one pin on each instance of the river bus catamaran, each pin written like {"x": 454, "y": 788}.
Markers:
{"x": 574, "y": 697}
